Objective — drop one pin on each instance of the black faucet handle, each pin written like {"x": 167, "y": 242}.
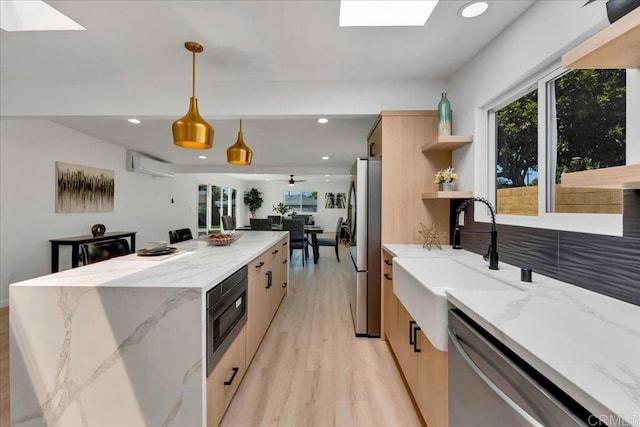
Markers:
{"x": 487, "y": 255}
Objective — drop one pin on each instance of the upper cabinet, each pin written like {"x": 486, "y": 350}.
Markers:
{"x": 616, "y": 46}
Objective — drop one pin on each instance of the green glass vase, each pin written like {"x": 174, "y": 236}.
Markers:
{"x": 444, "y": 116}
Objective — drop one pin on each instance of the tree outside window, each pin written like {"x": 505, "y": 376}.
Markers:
{"x": 585, "y": 114}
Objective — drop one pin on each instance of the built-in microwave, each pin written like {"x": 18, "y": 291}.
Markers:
{"x": 226, "y": 315}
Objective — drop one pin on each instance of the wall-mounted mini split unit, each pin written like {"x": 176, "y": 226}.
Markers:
{"x": 149, "y": 166}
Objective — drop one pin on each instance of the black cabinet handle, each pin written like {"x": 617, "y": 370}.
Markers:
{"x": 284, "y": 285}
{"x": 285, "y": 261}
{"x": 386, "y": 276}
{"x": 415, "y": 339}
{"x": 235, "y": 371}
{"x": 274, "y": 252}
{"x": 269, "y": 276}
{"x": 386, "y": 261}
{"x": 260, "y": 265}
{"x": 285, "y": 243}
{"x": 411, "y": 323}
{"x": 372, "y": 149}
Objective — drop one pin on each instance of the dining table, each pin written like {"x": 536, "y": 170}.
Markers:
{"x": 311, "y": 231}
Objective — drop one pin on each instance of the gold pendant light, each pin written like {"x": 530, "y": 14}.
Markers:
{"x": 239, "y": 154}
{"x": 191, "y": 131}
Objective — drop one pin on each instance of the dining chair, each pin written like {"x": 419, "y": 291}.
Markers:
{"x": 295, "y": 227}
{"x": 260, "y": 224}
{"x": 102, "y": 251}
{"x": 275, "y": 219}
{"x": 333, "y": 242}
{"x": 306, "y": 218}
{"x": 228, "y": 223}
{"x": 180, "y": 235}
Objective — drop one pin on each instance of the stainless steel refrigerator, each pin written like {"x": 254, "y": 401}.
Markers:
{"x": 363, "y": 217}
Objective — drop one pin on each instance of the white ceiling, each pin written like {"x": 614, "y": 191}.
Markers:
{"x": 259, "y": 55}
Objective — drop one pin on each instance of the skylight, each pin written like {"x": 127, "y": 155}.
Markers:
{"x": 34, "y": 15}
{"x": 385, "y": 13}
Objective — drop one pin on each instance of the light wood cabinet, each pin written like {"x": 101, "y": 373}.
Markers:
{"x": 406, "y": 173}
{"x": 374, "y": 140}
{"x": 278, "y": 264}
{"x": 259, "y": 303}
{"x": 389, "y": 300}
{"x": 406, "y": 352}
{"x": 224, "y": 380}
{"x": 425, "y": 368}
{"x": 268, "y": 284}
{"x": 433, "y": 383}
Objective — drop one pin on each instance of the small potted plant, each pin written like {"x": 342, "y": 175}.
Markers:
{"x": 253, "y": 200}
{"x": 446, "y": 178}
{"x": 281, "y": 208}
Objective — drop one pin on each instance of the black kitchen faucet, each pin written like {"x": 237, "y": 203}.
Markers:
{"x": 493, "y": 247}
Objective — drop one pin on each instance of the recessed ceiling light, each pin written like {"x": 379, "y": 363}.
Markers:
{"x": 326, "y": 175}
{"x": 323, "y": 120}
{"x": 325, "y": 157}
{"x": 202, "y": 157}
{"x": 385, "y": 13}
{"x": 36, "y": 15}
{"x": 473, "y": 9}
{"x": 326, "y": 180}
{"x": 134, "y": 121}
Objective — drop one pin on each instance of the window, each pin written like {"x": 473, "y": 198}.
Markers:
{"x": 516, "y": 137}
{"x": 564, "y": 121}
{"x": 587, "y": 130}
{"x": 301, "y": 201}
{"x": 214, "y": 202}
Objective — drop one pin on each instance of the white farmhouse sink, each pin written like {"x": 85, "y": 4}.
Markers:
{"x": 420, "y": 285}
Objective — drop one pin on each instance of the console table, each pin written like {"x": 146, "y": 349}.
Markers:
{"x": 75, "y": 243}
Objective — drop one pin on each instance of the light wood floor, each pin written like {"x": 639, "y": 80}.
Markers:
{"x": 310, "y": 370}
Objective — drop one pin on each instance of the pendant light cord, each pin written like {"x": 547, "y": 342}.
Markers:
{"x": 193, "y": 77}
{"x": 240, "y": 125}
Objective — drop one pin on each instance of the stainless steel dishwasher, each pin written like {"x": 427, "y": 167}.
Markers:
{"x": 491, "y": 386}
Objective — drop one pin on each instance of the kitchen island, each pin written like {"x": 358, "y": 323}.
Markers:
{"x": 121, "y": 342}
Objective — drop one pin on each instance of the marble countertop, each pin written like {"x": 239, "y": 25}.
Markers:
{"x": 196, "y": 264}
{"x": 586, "y": 343}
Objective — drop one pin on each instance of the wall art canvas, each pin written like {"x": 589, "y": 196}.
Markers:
{"x": 83, "y": 188}
{"x": 335, "y": 200}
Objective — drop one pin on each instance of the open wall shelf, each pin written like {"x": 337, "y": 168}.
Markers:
{"x": 613, "y": 177}
{"x": 447, "y": 195}
{"x": 447, "y": 143}
{"x": 616, "y": 46}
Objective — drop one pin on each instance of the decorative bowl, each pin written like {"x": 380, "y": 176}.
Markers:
{"x": 222, "y": 239}
{"x": 157, "y": 246}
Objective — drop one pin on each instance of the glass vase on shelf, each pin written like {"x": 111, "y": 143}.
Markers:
{"x": 444, "y": 116}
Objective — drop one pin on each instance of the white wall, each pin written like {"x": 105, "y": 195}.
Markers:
{"x": 535, "y": 40}
{"x": 273, "y": 194}
{"x": 28, "y": 152}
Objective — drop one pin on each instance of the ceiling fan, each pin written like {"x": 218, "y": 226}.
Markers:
{"x": 292, "y": 182}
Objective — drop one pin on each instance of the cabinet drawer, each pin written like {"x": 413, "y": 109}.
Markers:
{"x": 224, "y": 380}
{"x": 387, "y": 263}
